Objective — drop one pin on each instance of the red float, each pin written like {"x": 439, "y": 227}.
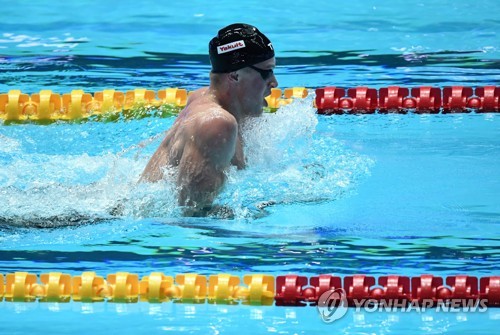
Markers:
{"x": 425, "y": 288}
{"x": 463, "y": 287}
{"x": 395, "y": 288}
{"x": 357, "y": 287}
{"x": 427, "y": 99}
{"x": 490, "y": 98}
{"x": 289, "y": 290}
{"x": 328, "y": 100}
{"x": 455, "y": 99}
{"x": 490, "y": 290}
{"x": 321, "y": 284}
{"x": 364, "y": 100}
{"x": 391, "y": 99}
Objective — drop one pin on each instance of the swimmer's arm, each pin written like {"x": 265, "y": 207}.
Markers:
{"x": 201, "y": 172}
{"x": 153, "y": 171}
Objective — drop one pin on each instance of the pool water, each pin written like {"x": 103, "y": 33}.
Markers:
{"x": 372, "y": 194}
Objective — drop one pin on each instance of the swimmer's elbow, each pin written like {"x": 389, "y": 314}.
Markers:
{"x": 200, "y": 191}
{"x": 152, "y": 172}
{"x": 148, "y": 177}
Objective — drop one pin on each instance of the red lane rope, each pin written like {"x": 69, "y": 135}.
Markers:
{"x": 425, "y": 99}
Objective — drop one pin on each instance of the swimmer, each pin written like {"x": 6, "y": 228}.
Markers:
{"x": 206, "y": 138}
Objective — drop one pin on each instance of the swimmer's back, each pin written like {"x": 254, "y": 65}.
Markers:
{"x": 182, "y": 141}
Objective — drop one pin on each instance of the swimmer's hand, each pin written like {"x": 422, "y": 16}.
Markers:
{"x": 264, "y": 204}
{"x": 221, "y": 212}
{"x": 118, "y": 209}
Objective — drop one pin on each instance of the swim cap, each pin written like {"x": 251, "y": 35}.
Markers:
{"x": 237, "y": 46}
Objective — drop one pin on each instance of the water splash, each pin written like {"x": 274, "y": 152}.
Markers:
{"x": 56, "y": 190}
{"x": 288, "y": 163}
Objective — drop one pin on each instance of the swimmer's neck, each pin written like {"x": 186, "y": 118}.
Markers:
{"x": 228, "y": 102}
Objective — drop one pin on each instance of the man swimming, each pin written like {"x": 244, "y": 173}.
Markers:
{"x": 206, "y": 138}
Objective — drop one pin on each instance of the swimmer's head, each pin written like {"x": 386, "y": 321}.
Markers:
{"x": 237, "y": 46}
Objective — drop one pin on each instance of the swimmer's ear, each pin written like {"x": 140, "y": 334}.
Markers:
{"x": 233, "y": 76}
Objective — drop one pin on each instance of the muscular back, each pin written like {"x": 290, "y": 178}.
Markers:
{"x": 202, "y": 143}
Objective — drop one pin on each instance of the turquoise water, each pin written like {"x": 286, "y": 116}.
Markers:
{"x": 374, "y": 194}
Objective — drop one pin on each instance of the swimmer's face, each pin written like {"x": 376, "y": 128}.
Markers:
{"x": 257, "y": 82}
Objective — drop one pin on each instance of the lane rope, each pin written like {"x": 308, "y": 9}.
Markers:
{"x": 111, "y": 104}
{"x": 253, "y": 289}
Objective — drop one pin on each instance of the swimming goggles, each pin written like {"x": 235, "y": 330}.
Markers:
{"x": 265, "y": 74}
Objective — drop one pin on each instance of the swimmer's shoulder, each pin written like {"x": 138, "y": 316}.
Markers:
{"x": 203, "y": 115}
{"x": 197, "y": 95}
{"x": 215, "y": 121}
{"x": 207, "y": 112}
{"x": 214, "y": 131}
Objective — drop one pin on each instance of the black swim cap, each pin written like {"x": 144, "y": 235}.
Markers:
{"x": 237, "y": 46}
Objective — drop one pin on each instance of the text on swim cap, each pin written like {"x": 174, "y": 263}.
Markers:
{"x": 230, "y": 46}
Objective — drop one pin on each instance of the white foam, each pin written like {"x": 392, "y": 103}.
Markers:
{"x": 286, "y": 164}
